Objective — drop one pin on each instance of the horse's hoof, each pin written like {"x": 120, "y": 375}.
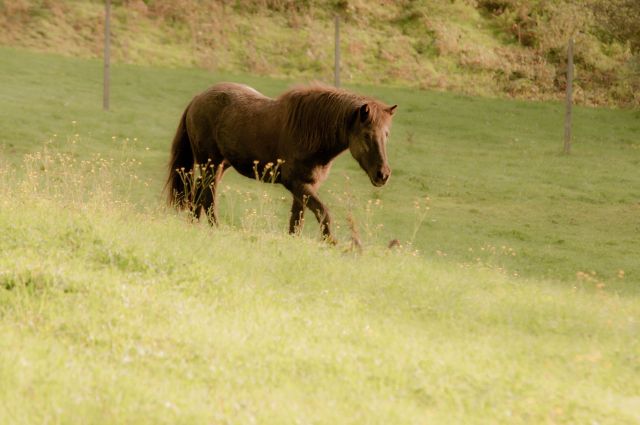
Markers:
{"x": 330, "y": 240}
{"x": 394, "y": 243}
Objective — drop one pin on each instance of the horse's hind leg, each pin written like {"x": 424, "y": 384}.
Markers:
{"x": 207, "y": 201}
{"x": 202, "y": 198}
{"x": 297, "y": 216}
{"x": 213, "y": 163}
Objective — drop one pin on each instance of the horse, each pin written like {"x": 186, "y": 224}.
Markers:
{"x": 293, "y": 139}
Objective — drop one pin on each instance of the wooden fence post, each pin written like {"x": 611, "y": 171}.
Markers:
{"x": 336, "y": 71}
{"x": 569, "y": 108}
{"x": 107, "y": 55}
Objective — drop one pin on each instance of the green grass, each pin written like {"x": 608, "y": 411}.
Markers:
{"x": 116, "y": 310}
{"x": 105, "y": 320}
{"x": 492, "y": 169}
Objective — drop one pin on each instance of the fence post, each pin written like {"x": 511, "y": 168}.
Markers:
{"x": 569, "y": 108}
{"x": 336, "y": 71}
{"x": 107, "y": 55}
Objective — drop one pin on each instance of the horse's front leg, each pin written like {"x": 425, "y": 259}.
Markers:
{"x": 304, "y": 195}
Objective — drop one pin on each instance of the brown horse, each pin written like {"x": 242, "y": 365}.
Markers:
{"x": 298, "y": 135}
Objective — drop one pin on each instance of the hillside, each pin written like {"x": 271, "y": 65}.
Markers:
{"x": 109, "y": 315}
{"x": 513, "y": 297}
{"x": 491, "y": 48}
{"x": 487, "y": 166}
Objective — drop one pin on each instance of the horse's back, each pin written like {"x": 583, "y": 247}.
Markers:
{"x": 220, "y": 105}
{"x": 238, "y": 122}
{"x": 232, "y": 91}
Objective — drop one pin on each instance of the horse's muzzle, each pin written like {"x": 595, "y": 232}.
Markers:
{"x": 381, "y": 177}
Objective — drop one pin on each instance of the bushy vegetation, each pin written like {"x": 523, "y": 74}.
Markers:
{"x": 485, "y": 47}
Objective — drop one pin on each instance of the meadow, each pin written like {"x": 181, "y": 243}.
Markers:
{"x": 512, "y": 298}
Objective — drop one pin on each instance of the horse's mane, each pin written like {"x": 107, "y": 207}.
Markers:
{"x": 319, "y": 116}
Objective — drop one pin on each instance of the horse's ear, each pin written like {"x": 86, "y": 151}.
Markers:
{"x": 392, "y": 109}
{"x": 364, "y": 112}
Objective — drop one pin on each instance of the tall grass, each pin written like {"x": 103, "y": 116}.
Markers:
{"x": 115, "y": 312}
{"x": 61, "y": 172}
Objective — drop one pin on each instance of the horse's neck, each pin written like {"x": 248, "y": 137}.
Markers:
{"x": 326, "y": 154}
{"x": 331, "y": 147}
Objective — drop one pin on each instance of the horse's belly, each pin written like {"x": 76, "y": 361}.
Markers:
{"x": 249, "y": 161}
{"x": 247, "y": 142}
{"x": 243, "y": 168}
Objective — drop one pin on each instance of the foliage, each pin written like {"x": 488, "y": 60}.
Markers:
{"x": 480, "y": 47}
{"x": 620, "y": 20}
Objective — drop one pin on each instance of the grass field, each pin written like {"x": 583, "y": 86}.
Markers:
{"x": 514, "y": 298}
{"x": 491, "y": 169}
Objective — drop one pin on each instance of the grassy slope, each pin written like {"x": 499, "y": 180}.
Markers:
{"x": 490, "y": 168}
{"x": 128, "y": 314}
{"x": 105, "y": 320}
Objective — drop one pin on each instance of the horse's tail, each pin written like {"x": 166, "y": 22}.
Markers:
{"x": 180, "y": 164}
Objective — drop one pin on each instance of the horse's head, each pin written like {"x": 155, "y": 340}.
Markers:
{"x": 368, "y": 140}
